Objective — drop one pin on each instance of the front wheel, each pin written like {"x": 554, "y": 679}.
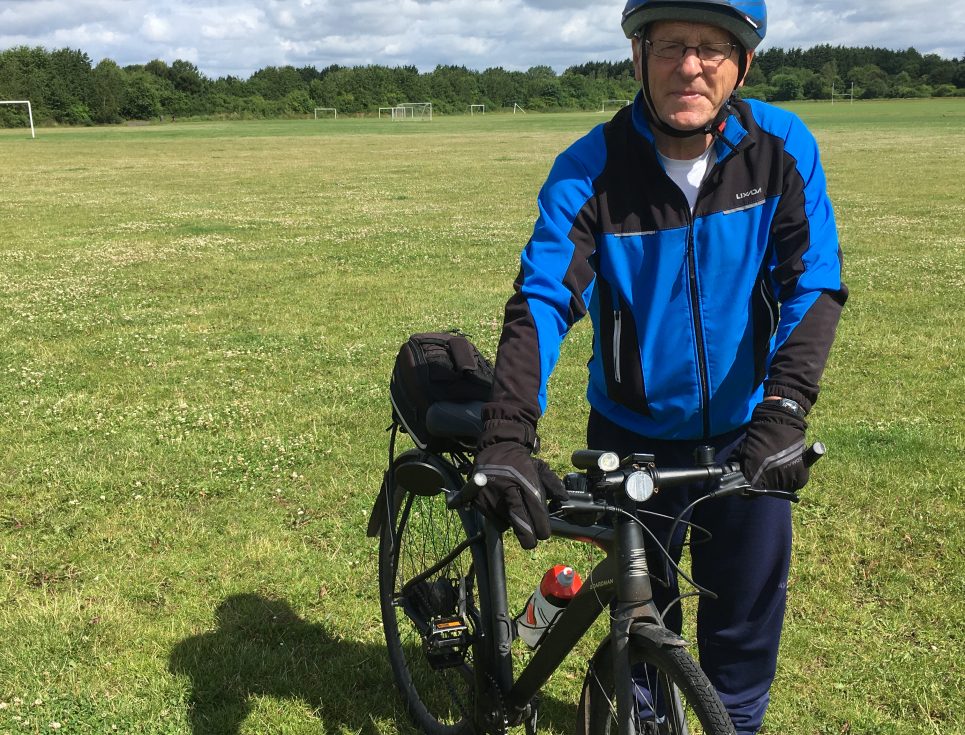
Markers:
{"x": 429, "y": 599}
{"x": 673, "y": 695}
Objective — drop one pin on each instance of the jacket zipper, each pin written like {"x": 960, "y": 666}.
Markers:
{"x": 698, "y": 325}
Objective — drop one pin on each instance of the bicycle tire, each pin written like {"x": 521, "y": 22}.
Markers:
{"x": 421, "y": 533}
{"x": 696, "y": 708}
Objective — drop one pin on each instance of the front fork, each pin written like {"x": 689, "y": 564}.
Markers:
{"x": 633, "y": 604}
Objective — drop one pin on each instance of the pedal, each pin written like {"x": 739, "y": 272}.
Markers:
{"x": 447, "y": 642}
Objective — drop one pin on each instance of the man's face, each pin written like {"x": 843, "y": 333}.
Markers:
{"x": 687, "y": 92}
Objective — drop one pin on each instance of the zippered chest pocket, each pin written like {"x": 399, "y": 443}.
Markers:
{"x": 620, "y": 353}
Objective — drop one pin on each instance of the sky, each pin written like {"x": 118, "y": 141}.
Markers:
{"x": 238, "y": 37}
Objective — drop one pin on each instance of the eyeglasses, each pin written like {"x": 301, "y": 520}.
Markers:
{"x": 711, "y": 53}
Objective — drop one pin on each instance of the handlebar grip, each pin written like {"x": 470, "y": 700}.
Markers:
{"x": 813, "y": 453}
{"x": 468, "y": 492}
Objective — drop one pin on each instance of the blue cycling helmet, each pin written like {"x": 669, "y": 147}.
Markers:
{"x": 745, "y": 19}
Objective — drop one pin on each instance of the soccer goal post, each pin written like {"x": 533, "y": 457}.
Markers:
{"x": 477, "y": 109}
{"x": 417, "y": 110}
{"x": 325, "y": 111}
{"x": 517, "y": 107}
{"x": 30, "y": 113}
{"x": 613, "y": 105}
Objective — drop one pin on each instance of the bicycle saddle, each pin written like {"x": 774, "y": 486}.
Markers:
{"x": 461, "y": 422}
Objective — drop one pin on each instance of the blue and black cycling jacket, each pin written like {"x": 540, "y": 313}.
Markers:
{"x": 696, "y": 316}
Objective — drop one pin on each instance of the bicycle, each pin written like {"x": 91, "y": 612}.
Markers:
{"x": 442, "y": 589}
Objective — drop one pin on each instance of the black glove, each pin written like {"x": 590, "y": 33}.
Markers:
{"x": 517, "y": 488}
{"x": 772, "y": 455}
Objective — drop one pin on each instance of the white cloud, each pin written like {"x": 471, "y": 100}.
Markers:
{"x": 156, "y": 29}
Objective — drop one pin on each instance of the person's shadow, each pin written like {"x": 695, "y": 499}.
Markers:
{"x": 262, "y": 648}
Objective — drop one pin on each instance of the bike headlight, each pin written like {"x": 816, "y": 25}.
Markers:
{"x": 639, "y": 486}
{"x": 608, "y": 461}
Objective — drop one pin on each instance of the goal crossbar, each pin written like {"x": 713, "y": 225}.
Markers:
{"x": 30, "y": 112}
{"x": 408, "y": 111}
{"x": 326, "y": 109}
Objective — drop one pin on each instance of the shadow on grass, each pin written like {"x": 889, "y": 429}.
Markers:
{"x": 262, "y": 648}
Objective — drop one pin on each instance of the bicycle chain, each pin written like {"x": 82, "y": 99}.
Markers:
{"x": 499, "y": 711}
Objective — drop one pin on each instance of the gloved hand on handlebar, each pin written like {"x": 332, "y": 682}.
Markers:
{"x": 772, "y": 455}
{"x": 517, "y": 489}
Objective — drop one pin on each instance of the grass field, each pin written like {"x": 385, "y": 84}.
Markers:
{"x": 198, "y": 322}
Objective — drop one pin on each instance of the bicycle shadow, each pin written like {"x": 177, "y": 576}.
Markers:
{"x": 262, "y": 648}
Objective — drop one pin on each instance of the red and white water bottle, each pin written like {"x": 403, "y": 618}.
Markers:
{"x": 558, "y": 586}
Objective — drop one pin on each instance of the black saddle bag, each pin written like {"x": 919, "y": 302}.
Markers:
{"x": 434, "y": 367}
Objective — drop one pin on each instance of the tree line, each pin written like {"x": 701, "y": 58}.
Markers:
{"x": 65, "y": 87}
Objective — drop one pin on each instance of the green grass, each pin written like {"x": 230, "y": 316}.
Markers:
{"x": 197, "y": 329}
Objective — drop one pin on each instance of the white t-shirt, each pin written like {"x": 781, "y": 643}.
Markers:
{"x": 688, "y": 174}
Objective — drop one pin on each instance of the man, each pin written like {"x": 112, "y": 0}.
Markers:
{"x": 695, "y": 230}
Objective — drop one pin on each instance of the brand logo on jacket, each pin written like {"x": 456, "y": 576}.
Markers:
{"x": 752, "y": 192}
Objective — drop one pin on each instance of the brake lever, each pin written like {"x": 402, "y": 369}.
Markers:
{"x": 759, "y": 492}
{"x": 468, "y": 492}
{"x": 733, "y": 483}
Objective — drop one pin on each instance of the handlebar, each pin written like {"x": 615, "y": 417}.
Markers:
{"x": 640, "y": 477}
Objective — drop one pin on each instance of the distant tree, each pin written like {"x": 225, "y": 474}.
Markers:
{"x": 411, "y": 85}
{"x": 142, "y": 99}
{"x": 308, "y": 74}
{"x": 158, "y": 68}
{"x": 787, "y": 86}
{"x": 70, "y": 86}
{"x": 275, "y": 82}
{"x": 542, "y": 88}
{"x": 453, "y": 88}
{"x": 870, "y": 81}
{"x": 755, "y": 76}
{"x": 107, "y": 92}
{"x": 498, "y": 87}
{"x": 24, "y": 75}
{"x": 186, "y": 78}
{"x": 64, "y": 87}
{"x": 297, "y": 102}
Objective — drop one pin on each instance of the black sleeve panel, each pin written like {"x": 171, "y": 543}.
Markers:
{"x": 790, "y": 232}
{"x": 797, "y": 366}
{"x": 806, "y": 270}
{"x": 515, "y": 407}
{"x": 516, "y": 387}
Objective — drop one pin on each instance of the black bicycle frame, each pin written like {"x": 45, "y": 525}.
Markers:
{"x": 621, "y": 582}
